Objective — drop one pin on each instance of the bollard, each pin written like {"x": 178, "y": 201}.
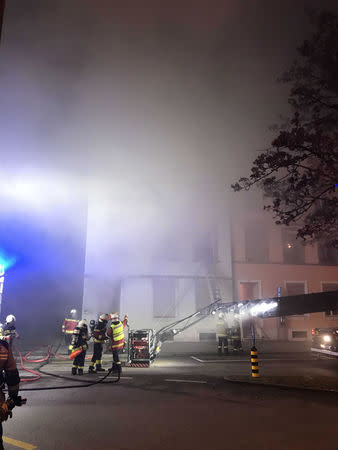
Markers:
{"x": 254, "y": 363}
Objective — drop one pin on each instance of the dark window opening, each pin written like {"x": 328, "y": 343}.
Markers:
{"x": 256, "y": 244}
{"x": 327, "y": 255}
{"x": 326, "y": 287}
{"x": 299, "y": 334}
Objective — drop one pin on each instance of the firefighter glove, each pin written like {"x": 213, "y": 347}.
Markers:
{"x": 5, "y": 412}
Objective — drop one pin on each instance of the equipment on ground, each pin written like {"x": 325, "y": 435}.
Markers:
{"x": 144, "y": 345}
{"x": 141, "y": 347}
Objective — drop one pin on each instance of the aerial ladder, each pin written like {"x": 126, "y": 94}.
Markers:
{"x": 144, "y": 345}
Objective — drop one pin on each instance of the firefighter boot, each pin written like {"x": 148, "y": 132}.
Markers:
{"x": 99, "y": 368}
{"x": 80, "y": 371}
{"x": 91, "y": 369}
{"x": 119, "y": 368}
{"x": 74, "y": 370}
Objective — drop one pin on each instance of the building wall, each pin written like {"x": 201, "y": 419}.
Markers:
{"x": 123, "y": 280}
{"x": 274, "y": 273}
{"x": 137, "y": 301}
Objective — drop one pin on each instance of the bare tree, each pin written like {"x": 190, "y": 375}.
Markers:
{"x": 299, "y": 172}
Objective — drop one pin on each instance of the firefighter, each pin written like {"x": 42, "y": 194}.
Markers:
{"x": 8, "y": 331}
{"x": 221, "y": 334}
{"x": 10, "y": 376}
{"x": 99, "y": 338}
{"x": 236, "y": 338}
{"x": 79, "y": 342}
{"x": 116, "y": 334}
{"x": 68, "y": 326}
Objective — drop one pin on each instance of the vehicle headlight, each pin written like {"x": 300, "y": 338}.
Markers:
{"x": 327, "y": 338}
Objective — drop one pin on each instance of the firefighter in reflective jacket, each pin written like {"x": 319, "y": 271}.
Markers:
{"x": 221, "y": 334}
{"x": 79, "y": 342}
{"x": 116, "y": 334}
{"x": 10, "y": 376}
{"x": 99, "y": 337}
{"x": 68, "y": 327}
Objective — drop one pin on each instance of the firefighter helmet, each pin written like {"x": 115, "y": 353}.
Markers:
{"x": 104, "y": 318}
{"x": 10, "y": 318}
{"x": 221, "y": 315}
{"x": 82, "y": 323}
{"x": 114, "y": 316}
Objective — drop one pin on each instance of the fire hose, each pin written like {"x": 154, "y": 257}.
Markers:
{"x": 46, "y": 360}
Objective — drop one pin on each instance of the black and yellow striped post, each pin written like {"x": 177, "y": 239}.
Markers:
{"x": 254, "y": 362}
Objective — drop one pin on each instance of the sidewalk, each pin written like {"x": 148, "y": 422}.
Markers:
{"x": 263, "y": 346}
{"x": 312, "y": 382}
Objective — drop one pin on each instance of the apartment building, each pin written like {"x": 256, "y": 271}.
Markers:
{"x": 269, "y": 261}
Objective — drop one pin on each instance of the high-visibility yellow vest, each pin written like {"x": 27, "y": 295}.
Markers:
{"x": 117, "y": 331}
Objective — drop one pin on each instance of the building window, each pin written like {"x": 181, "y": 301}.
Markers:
{"x": 164, "y": 297}
{"x": 256, "y": 244}
{"x": 207, "y": 336}
{"x": 299, "y": 334}
{"x": 296, "y": 288}
{"x": 202, "y": 293}
{"x": 293, "y": 249}
{"x": 206, "y": 249}
{"x": 327, "y": 255}
{"x": 248, "y": 290}
{"x": 326, "y": 287}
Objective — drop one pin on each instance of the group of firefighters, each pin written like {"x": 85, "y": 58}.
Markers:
{"x": 77, "y": 336}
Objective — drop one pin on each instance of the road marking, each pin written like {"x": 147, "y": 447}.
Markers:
{"x": 197, "y": 359}
{"x": 19, "y": 444}
{"x": 186, "y": 381}
{"x": 327, "y": 352}
{"x": 246, "y": 360}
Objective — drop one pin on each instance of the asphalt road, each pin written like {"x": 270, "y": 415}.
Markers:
{"x": 178, "y": 403}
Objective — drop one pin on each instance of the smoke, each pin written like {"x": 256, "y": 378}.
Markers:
{"x": 146, "y": 125}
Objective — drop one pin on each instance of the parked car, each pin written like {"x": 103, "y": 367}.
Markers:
{"x": 325, "y": 339}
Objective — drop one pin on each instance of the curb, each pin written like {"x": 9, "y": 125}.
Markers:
{"x": 280, "y": 386}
